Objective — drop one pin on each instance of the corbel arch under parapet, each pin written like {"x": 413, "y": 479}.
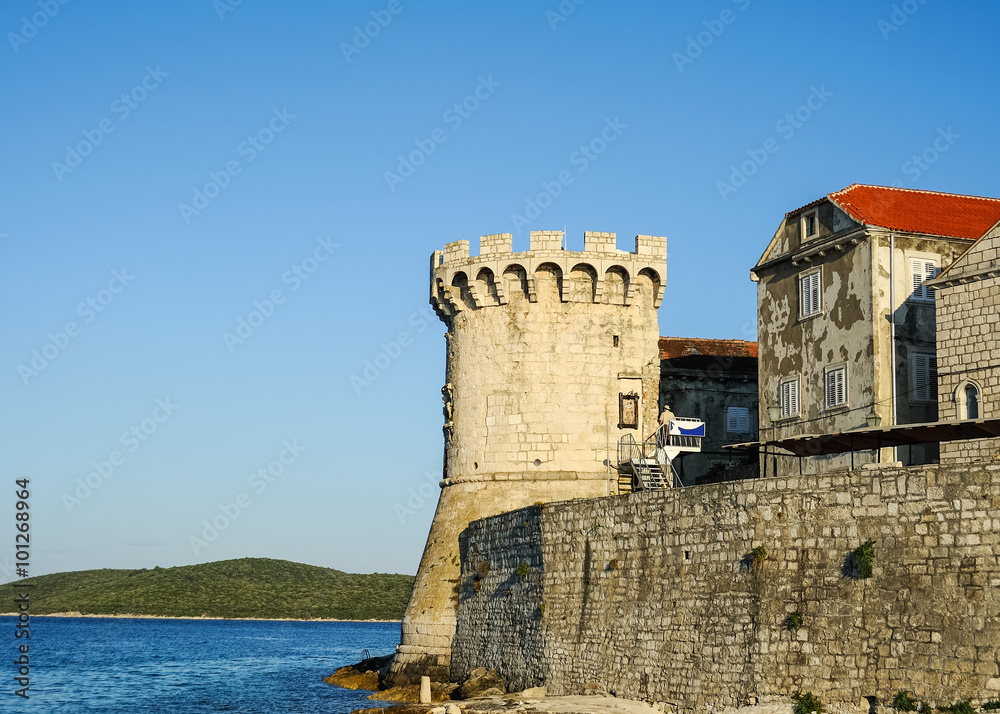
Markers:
{"x": 515, "y": 282}
{"x": 649, "y": 288}
{"x": 582, "y": 283}
{"x": 617, "y": 285}
{"x": 463, "y": 291}
{"x": 486, "y": 287}
{"x": 548, "y": 283}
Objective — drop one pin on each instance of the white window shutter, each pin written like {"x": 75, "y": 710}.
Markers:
{"x": 795, "y": 396}
{"x": 917, "y": 277}
{"x": 930, "y": 270}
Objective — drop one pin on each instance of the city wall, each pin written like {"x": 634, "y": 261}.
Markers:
{"x": 657, "y": 595}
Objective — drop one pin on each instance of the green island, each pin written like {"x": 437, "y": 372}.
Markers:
{"x": 261, "y": 588}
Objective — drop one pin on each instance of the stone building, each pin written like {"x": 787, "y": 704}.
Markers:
{"x": 968, "y": 344}
{"x": 846, "y": 325}
{"x": 551, "y": 358}
{"x": 714, "y": 381}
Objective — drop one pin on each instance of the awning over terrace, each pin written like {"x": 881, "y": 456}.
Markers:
{"x": 881, "y": 436}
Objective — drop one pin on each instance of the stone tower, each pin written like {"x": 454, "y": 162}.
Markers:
{"x": 552, "y": 357}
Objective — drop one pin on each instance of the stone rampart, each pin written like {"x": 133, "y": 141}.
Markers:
{"x": 657, "y": 595}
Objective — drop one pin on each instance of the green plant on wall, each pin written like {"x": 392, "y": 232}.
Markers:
{"x": 758, "y": 556}
{"x": 807, "y": 703}
{"x": 522, "y": 569}
{"x": 959, "y": 708}
{"x": 794, "y": 620}
{"x": 992, "y": 705}
{"x": 541, "y": 609}
{"x": 863, "y": 559}
{"x": 903, "y": 702}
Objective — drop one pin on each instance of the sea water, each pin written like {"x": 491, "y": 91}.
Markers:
{"x": 139, "y": 665}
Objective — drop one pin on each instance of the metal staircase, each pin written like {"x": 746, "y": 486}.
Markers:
{"x": 639, "y": 460}
{"x": 648, "y": 464}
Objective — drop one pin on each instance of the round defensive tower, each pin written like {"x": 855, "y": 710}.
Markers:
{"x": 552, "y": 357}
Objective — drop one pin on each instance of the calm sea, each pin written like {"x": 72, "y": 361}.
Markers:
{"x": 187, "y": 666}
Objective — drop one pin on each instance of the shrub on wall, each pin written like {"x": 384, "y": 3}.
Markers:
{"x": 794, "y": 620}
{"x": 903, "y": 702}
{"x": 863, "y": 560}
{"x": 807, "y": 703}
{"x": 757, "y": 558}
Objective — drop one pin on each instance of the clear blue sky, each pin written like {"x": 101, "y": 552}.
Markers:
{"x": 95, "y": 182}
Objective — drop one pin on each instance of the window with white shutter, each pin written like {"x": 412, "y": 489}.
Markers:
{"x": 921, "y": 271}
{"x": 923, "y": 377}
{"x": 836, "y": 387}
{"x": 788, "y": 398}
{"x": 737, "y": 420}
{"x": 810, "y": 290}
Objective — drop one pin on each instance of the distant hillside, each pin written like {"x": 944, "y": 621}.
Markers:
{"x": 247, "y": 587}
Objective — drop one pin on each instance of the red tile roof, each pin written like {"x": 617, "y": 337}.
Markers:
{"x": 906, "y": 209}
{"x": 671, "y": 347}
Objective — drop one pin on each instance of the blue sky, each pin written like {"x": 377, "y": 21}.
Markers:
{"x": 287, "y": 120}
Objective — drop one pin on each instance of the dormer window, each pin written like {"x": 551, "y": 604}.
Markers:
{"x": 810, "y": 225}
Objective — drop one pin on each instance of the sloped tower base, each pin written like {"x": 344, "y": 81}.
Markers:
{"x": 552, "y": 358}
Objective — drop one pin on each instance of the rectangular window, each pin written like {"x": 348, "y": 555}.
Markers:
{"x": 737, "y": 420}
{"x": 920, "y": 271}
{"x": 836, "y": 387}
{"x": 788, "y": 398}
{"x": 923, "y": 377}
{"x": 810, "y": 225}
{"x": 810, "y": 289}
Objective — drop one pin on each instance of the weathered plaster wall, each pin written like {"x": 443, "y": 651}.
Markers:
{"x": 652, "y": 595}
{"x": 540, "y": 345}
{"x": 968, "y": 345}
{"x": 915, "y": 330}
{"x": 852, "y": 329}
{"x": 841, "y": 334}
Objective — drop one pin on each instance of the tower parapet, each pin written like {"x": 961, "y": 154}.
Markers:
{"x": 551, "y": 358}
{"x": 460, "y": 282}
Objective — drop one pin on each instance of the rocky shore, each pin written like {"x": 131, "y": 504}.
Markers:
{"x": 483, "y": 692}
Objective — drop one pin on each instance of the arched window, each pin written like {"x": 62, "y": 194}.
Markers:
{"x": 968, "y": 399}
{"x": 971, "y": 402}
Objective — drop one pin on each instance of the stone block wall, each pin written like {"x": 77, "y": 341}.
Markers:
{"x": 655, "y": 596}
{"x": 968, "y": 340}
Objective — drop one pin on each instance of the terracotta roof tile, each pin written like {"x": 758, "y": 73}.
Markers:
{"x": 671, "y": 347}
{"x": 910, "y": 210}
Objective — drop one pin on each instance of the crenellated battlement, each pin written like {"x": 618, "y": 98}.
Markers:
{"x": 599, "y": 274}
